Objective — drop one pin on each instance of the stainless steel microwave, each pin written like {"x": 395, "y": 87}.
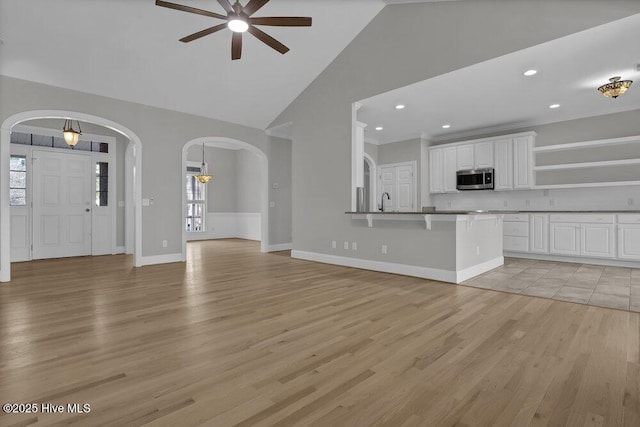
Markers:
{"x": 475, "y": 179}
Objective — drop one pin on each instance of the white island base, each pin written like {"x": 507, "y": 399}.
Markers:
{"x": 443, "y": 246}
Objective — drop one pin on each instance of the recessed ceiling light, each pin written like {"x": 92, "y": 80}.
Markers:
{"x": 530, "y": 73}
{"x": 554, "y": 106}
{"x": 400, "y": 107}
{"x": 446, "y": 126}
{"x": 379, "y": 128}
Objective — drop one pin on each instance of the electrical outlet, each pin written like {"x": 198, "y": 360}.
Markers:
{"x": 165, "y": 243}
{"x": 506, "y": 204}
{"x": 527, "y": 203}
{"x": 552, "y": 202}
{"x": 346, "y": 246}
{"x": 334, "y": 244}
{"x": 383, "y": 249}
{"x": 145, "y": 202}
{"x": 275, "y": 185}
{"x": 354, "y": 246}
{"x": 630, "y": 201}
{"x": 545, "y": 193}
{"x": 272, "y": 204}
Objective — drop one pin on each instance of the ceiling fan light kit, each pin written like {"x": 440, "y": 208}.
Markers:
{"x": 239, "y": 20}
{"x": 615, "y": 87}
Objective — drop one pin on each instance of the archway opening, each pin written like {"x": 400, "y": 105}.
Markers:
{"x": 198, "y": 222}
{"x": 133, "y": 160}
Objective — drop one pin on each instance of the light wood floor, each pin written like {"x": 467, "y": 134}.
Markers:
{"x": 235, "y": 337}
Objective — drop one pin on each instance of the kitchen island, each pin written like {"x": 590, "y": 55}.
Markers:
{"x": 450, "y": 246}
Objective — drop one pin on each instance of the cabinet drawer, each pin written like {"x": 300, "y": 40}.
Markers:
{"x": 517, "y": 229}
{"x": 516, "y": 244}
{"x": 629, "y": 219}
{"x": 588, "y": 218}
{"x": 516, "y": 217}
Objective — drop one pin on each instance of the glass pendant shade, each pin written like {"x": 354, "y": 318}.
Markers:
{"x": 71, "y": 135}
{"x": 203, "y": 176}
{"x": 615, "y": 87}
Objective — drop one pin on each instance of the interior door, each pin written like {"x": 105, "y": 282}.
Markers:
{"x": 404, "y": 189}
{"x": 388, "y": 184}
{"x": 62, "y": 193}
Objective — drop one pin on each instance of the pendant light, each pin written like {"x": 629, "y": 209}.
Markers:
{"x": 615, "y": 87}
{"x": 71, "y": 136}
{"x": 203, "y": 176}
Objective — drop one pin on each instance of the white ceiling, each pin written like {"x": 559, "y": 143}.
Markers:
{"x": 129, "y": 50}
{"x": 494, "y": 95}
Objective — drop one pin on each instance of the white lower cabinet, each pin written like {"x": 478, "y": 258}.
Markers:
{"x": 516, "y": 233}
{"x": 629, "y": 242}
{"x": 564, "y": 239}
{"x": 583, "y": 235}
{"x": 597, "y": 240}
{"x": 539, "y": 234}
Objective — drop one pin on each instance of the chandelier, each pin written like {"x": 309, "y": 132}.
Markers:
{"x": 203, "y": 176}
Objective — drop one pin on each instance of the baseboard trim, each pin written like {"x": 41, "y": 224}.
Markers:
{"x": 573, "y": 259}
{"x": 475, "y": 270}
{"x": 280, "y": 247}
{"x": 119, "y": 250}
{"x": 382, "y": 266}
{"x": 161, "y": 259}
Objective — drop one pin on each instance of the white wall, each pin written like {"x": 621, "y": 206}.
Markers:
{"x": 163, "y": 134}
{"x": 249, "y": 190}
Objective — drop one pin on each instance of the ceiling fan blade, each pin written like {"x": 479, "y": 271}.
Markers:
{"x": 282, "y": 21}
{"x": 236, "y": 46}
{"x": 268, "y": 40}
{"x": 203, "y": 33}
{"x": 253, "y": 6}
{"x": 189, "y": 9}
{"x": 226, "y": 6}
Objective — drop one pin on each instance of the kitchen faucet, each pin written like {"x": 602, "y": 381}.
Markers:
{"x": 381, "y": 208}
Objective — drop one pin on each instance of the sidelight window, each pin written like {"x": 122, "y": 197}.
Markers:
{"x": 196, "y": 201}
{"x": 18, "y": 181}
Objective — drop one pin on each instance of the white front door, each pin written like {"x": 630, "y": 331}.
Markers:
{"x": 62, "y": 190}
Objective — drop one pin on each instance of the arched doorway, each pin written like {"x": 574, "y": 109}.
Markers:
{"x": 223, "y": 142}
{"x": 370, "y": 183}
{"x": 135, "y": 161}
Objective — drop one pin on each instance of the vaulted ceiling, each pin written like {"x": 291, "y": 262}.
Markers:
{"x": 129, "y": 50}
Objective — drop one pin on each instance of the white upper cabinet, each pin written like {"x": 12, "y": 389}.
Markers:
{"x": 510, "y": 155}
{"x": 450, "y": 169}
{"x": 464, "y": 155}
{"x": 503, "y": 174}
{"x": 436, "y": 165}
{"x": 483, "y": 152}
{"x": 522, "y": 162}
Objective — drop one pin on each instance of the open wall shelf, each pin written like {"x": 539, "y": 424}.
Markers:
{"x": 600, "y": 163}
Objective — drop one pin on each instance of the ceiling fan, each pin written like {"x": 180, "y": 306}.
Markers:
{"x": 239, "y": 20}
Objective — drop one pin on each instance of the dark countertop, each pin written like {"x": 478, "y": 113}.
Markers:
{"x": 495, "y": 212}
{"x": 479, "y": 212}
